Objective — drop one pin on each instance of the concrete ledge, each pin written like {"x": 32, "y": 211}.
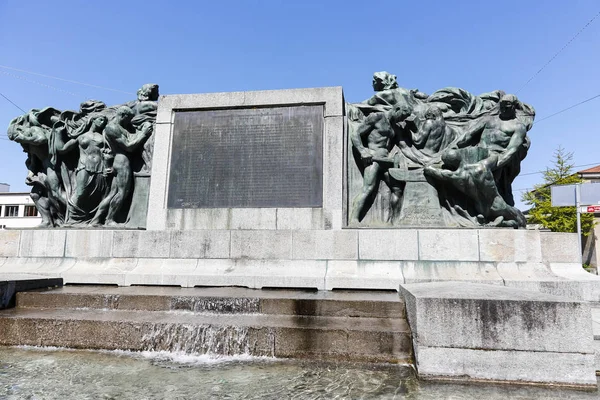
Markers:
{"x": 363, "y": 275}
{"x": 564, "y": 369}
{"x": 489, "y": 332}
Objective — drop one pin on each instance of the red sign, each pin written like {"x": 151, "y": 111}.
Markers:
{"x": 593, "y": 209}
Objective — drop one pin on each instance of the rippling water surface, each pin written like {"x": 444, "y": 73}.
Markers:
{"x": 34, "y": 373}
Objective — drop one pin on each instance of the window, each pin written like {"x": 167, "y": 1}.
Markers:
{"x": 30, "y": 211}
{"x": 11, "y": 211}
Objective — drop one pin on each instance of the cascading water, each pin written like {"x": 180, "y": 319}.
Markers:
{"x": 206, "y": 339}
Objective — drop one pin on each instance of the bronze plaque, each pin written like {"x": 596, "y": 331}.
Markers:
{"x": 251, "y": 157}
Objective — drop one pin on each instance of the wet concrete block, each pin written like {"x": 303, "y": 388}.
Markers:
{"x": 568, "y": 369}
{"x": 479, "y": 325}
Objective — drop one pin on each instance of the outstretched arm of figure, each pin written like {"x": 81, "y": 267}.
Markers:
{"x": 516, "y": 141}
{"x": 70, "y": 145}
{"x": 439, "y": 173}
{"x": 129, "y": 142}
{"x": 474, "y": 130}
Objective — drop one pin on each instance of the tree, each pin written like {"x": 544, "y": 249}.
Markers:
{"x": 557, "y": 219}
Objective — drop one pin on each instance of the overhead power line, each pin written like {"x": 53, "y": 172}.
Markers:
{"x": 567, "y": 109}
{"x": 574, "y": 166}
{"x": 39, "y": 83}
{"x": 12, "y": 102}
{"x": 558, "y": 52}
{"x": 64, "y": 80}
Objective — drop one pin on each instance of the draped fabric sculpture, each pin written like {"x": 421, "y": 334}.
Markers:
{"x": 90, "y": 167}
{"x": 445, "y": 159}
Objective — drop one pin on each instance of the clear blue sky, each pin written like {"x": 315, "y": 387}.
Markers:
{"x": 216, "y": 46}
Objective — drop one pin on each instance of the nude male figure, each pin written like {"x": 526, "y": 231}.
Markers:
{"x": 504, "y": 135}
{"x": 380, "y": 132}
{"x": 476, "y": 180}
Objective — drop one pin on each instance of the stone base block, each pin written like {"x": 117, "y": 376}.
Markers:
{"x": 488, "y": 332}
{"x": 565, "y": 369}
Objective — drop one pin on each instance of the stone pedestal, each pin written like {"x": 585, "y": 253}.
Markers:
{"x": 465, "y": 331}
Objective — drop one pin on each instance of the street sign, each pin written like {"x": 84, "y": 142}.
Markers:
{"x": 590, "y": 209}
{"x": 563, "y": 195}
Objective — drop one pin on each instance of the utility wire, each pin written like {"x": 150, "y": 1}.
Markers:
{"x": 574, "y": 166}
{"x": 64, "y": 80}
{"x": 567, "y": 109}
{"x": 39, "y": 83}
{"x": 558, "y": 52}
{"x": 11, "y": 102}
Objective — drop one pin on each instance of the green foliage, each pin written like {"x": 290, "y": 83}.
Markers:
{"x": 557, "y": 219}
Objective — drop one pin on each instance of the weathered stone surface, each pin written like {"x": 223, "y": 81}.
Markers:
{"x": 161, "y": 271}
{"x": 572, "y": 369}
{"x": 474, "y": 331}
{"x": 145, "y": 244}
{"x": 99, "y": 271}
{"x": 9, "y": 243}
{"x": 363, "y": 275}
{"x": 198, "y": 218}
{"x": 504, "y": 245}
{"x": 300, "y": 218}
{"x": 259, "y": 273}
{"x": 43, "y": 266}
{"x": 436, "y": 271}
{"x": 253, "y": 218}
{"x": 89, "y": 243}
{"x": 200, "y": 244}
{"x": 42, "y": 243}
{"x": 476, "y": 316}
{"x": 325, "y": 245}
{"x": 261, "y": 244}
{"x": 559, "y": 247}
{"x": 448, "y": 245}
{"x": 386, "y": 244}
{"x": 333, "y": 160}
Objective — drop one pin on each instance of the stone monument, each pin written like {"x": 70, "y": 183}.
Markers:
{"x": 298, "y": 189}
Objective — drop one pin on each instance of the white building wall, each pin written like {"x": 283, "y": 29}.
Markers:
{"x": 20, "y": 221}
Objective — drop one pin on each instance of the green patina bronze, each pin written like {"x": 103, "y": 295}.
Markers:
{"x": 447, "y": 159}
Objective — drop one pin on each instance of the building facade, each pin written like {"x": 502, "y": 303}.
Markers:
{"x": 17, "y": 210}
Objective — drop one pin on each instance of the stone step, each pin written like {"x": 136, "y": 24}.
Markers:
{"x": 340, "y": 338}
{"x": 219, "y": 300}
{"x": 597, "y": 355}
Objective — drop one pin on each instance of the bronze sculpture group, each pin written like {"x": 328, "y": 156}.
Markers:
{"x": 82, "y": 164}
{"x": 446, "y": 159}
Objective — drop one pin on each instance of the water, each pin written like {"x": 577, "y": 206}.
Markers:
{"x": 34, "y": 373}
